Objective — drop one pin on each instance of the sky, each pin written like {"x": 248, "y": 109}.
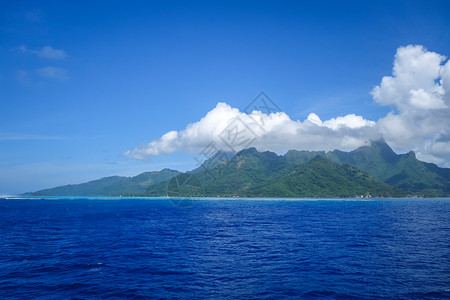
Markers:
{"x": 101, "y": 88}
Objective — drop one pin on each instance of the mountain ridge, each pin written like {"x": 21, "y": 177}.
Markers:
{"x": 373, "y": 169}
{"x": 111, "y": 185}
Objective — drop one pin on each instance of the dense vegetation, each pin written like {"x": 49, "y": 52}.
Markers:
{"x": 399, "y": 170}
{"x": 112, "y": 186}
{"x": 374, "y": 170}
{"x": 265, "y": 174}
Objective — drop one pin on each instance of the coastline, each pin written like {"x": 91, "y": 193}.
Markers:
{"x": 21, "y": 197}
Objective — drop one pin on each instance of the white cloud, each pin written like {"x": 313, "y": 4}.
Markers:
{"x": 413, "y": 81}
{"x": 230, "y": 129}
{"x": 418, "y": 91}
{"x": 45, "y": 52}
{"x": 52, "y": 53}
{"x": 29, "y": 78}
{"x": 53, "y": 73}
{"x": 352, "y": 121}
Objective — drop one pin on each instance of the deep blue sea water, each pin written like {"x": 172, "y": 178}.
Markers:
{"x": 222, "y": 249}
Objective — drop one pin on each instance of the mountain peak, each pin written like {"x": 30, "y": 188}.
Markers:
{"x": 247, "y": 151}
{"x": 411, "y": 155}
{"x": 378, "y": 148}
{"x": 380, "y": 144}
{"x": 297, "y": 173}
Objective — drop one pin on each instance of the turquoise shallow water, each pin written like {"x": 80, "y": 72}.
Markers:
{"x": 78, "y": 248}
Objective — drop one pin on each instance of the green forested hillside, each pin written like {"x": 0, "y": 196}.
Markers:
{"x": 404, "y": 171}
{"x": 373, "y": 170}
{"x": 112, "y": 186}
{"x": 265, "y": 174}
{"x": 323, "y": 178}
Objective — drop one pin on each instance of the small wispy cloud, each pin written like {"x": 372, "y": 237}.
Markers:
{"x": 52, "y": 53}
{"x": 23, "y": 77}
{"x": 47, "y": 52}
{"x": 53, "y": 73}
{"x": 35, "y": 15}
{"x": 29, "y": 137}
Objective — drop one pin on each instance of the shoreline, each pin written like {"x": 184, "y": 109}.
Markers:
{"x": 20, "y": 197}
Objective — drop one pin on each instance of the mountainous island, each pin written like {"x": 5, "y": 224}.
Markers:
{"x": 369, "y": 171}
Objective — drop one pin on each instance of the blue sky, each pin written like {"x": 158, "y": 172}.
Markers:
{"x": 82, "y": 83}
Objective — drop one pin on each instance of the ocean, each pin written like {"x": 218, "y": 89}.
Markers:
{"x": 128, "y": 248}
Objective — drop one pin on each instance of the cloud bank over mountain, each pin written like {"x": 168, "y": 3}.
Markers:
{"x": 418, "y": 91}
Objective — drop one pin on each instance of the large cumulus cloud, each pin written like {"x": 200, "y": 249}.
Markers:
{"x": 418, "y": 91}
{"x": 275, "y": 131}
